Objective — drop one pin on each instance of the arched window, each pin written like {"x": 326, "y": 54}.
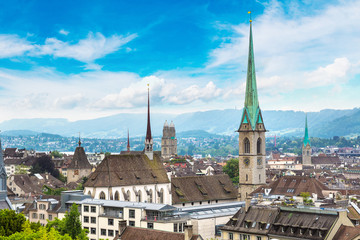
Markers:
{"x": 308, "y": 152}
{"x": 161, "y": 195}
{"x": 117, "y": 196}
{"x": 246, "y": 145}
{"x": 247, "y": 178}
{"x": 258, "y": 146}
{"x": 102, "y": 195}
{"x": 259, "y": 178}
{"x": 89, "y": 193}
{"x": 128, "y": 195}
{"x": 139, "y": 196}
{"x": 150, "y": 196}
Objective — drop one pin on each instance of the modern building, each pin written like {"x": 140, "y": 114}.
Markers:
{"x": 251, "y": 135}
{"x": 168, "y": 141}
{"x": 79, "y": 166}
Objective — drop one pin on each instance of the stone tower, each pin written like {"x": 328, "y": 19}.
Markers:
{"x": 3, "y": 186}
{"x": 168, "y": 141}
{"x": 306, "y": 147}
{"x": 79, "y": 166}
{"x": 251, "y": 135}
{"x": 148, "y": 140}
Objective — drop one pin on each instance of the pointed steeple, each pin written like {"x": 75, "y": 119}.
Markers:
{"x": 148, "y": 140}
{"x": 306, "y": 137}
{"x": 128, "y": 144}
{"x": 251, "y": 112}
{"x": 148, "y": 129}
{"x": 79, "y": 140}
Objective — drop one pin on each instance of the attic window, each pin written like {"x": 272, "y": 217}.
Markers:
{"x": 136, "y": 176}
{"x": 267, "y": 226}
{"x": 153, "y": 175}
{"x": 290, "y": 190}
{"x": 253, "y": 225}
{"x": 201, "y": 189}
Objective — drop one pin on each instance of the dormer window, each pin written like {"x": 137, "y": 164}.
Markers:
{"x": 253, "y": 225}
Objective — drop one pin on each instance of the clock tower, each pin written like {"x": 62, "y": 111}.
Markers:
{"x": 251, "y": 135}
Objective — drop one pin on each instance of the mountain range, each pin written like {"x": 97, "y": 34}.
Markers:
{"x": 325, "y": 123}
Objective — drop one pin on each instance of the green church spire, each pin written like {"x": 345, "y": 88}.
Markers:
{"x": 251, "y": 111}
{"x": 306, "y": 137}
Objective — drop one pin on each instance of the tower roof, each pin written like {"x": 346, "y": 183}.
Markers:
{"x": 172, "y": 125}
{"x": 306, "y": 137}
{"x": 148, "y": 129}
{"x": 166, "y": 124}
{"x": 128, "y": 143}
{"x": 251, "y": 112}
{"x": 79, "y": 160}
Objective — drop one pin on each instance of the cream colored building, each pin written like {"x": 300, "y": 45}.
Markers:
{"x": 43, "y": 210}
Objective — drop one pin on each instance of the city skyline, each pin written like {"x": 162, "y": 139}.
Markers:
{"x": 88, "y": 59}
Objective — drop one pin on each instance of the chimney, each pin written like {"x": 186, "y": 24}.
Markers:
{"x": 122, "y": 226}
{"x": 188, "y": 232}
{"x": 247, "y": 203}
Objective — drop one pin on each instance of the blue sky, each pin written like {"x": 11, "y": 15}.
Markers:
{"x": 86, "y": 59}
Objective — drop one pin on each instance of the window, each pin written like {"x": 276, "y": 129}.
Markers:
{"x": 253, "y": 225}
{"x": 86, "y": 208}
{"x": 110, "y": 233}
{"x": 93, "y": 219}
{"x": 93, "y": 209}
{"x": 150, "y": 197}
{"x": 180, "y": 227}
{"x": 246, "y": 237}
{"x": 86, "y": 228}
{"x": 93, "y": 230}
{"x": 111, "y": 222}
{"x": 175, "y": 227}
{"x": 86, "y": 219}
{"x": 150, "y": 225}
{"x": 128, "y": 195}
{"x": 162, "y": 196}
{"x": 139, "y": 196}
{"x": 41, "y": 216}
{"x": 258, "y": 146}
{"x": 103, "y": 232}
{"x": 246, "y": 145}
{"x": 131, "y": 223}
{"x": 131, "y": 213}
{"x": 117, "y": 195}
{"x": 258, "y": 238}
{"x": 231, "y": 236}
{"x": 34, "y": 215}
{"x": 50, "y": 217}
{"x": 102, "y": 195}
{"x": 267, "y": 226}
{"x": 246, "y": 178}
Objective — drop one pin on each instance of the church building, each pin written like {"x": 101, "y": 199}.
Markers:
{"x": 131, "y": 176}
{"x": 306, "y": 147}
{"x": 251, "y": 135}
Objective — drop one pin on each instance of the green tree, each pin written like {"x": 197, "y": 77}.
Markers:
{"x": 56, "y": 154}
{"x": 70, "y": 224}
{"x": 10, "y": 222}
{"x": 232, "y": 169}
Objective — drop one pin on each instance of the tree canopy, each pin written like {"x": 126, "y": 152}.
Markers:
{"x": 232, "y": 169}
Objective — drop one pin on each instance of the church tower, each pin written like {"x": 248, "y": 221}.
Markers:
{"x": 168, "y": 141}
{"x": 3, "y": 186}
{"x": 128, "y": 143}
{"x": 148, "y": 140}
{"x": 251, "y": 135}
{"x": 306, "y": 147}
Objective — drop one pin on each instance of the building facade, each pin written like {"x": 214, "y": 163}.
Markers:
{"x": 251, "y": 135}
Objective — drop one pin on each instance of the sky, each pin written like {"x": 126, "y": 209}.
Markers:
{"x": 88, "y": 59}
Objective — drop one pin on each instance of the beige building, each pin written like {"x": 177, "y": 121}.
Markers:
{"x": 79, "y": 166}
{"x": 43, "y": 210}
{"x": 251, "y": 135}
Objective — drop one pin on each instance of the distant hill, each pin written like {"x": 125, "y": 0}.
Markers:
{"x": 326, "y": 123}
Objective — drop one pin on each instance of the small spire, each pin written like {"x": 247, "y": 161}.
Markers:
{"x": 79, "y": 140}
{"x": 128, "y": 145}
{"x": 306, "y": 137}
{"x": 148, "y": 129}
{"x": 249, "y": 12}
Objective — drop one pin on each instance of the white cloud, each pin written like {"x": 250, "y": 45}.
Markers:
{"x": 93, "y": 47}
{"x": 64, "y": 32}
{"x": 12, "y": 45}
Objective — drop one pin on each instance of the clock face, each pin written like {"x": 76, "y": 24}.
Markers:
{"x": 259, "y": 161}
{"x": 246, "y": 161}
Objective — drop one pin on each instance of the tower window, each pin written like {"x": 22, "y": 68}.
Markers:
{"x": 246, "y": 145}
{"x": 258, "y": 146}
{"x": 246, "y": 177}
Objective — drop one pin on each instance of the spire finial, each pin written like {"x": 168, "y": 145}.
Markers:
{"x": 250, "y": 20}
{"x": 79, "y": 140}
